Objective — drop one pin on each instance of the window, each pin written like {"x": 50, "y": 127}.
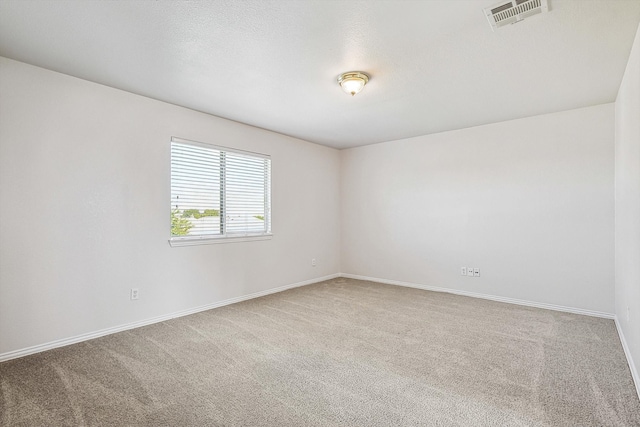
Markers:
{"x": 218, "y": 193}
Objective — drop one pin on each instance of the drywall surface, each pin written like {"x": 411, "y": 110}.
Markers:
{"x": 627, "y": 206}
{"x": 529, "y": 202}
{"x": 84, "y": 210}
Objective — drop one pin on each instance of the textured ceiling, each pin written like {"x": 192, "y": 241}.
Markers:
{"x": 434, "y": 65}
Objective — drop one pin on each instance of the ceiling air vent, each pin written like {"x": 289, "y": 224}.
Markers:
{"x": 512, "y": 11}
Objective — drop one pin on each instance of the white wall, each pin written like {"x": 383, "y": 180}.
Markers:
{"x": 84, "y": 197}
{"x": 627, "y": 206}
{"x": 530, "y": 202}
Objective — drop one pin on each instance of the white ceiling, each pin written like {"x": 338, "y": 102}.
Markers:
{"x": 435, "y": 65}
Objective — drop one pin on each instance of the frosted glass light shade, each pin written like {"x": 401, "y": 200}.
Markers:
{"x": 353, "y": 81}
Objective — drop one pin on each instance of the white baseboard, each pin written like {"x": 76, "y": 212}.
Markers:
{"x": 485, "y": 296}
{"x": 627, "y": 352}
{"x": 91, "y": 335}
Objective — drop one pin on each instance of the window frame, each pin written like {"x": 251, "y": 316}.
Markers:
{"x": 224, "y": 236}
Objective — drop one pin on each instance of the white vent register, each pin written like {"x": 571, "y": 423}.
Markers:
{"x": 512, "y": 11}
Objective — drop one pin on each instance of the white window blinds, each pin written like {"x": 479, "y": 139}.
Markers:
{"x": 218, "y": 192}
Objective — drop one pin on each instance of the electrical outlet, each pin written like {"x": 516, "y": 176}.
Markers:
{"x": 476, "y": 272}
{"x": 134, "y": 293}
{"x": 313, "y": 262}
{"x": 469, "y": 271}
{"x": 463, "y": 271}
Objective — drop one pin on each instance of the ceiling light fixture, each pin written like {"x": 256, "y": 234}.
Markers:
{"x": 352, "y": 82}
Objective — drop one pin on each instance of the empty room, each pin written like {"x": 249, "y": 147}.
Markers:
{"x": 320, "y": 213}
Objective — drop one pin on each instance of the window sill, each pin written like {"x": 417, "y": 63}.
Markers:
{"x": 191, "y": 241}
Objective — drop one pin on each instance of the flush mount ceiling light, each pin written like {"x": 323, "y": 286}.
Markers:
{"x": 352, "y": 82}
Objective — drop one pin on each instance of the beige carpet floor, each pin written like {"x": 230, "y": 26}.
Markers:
{"x": 338, "y": 353}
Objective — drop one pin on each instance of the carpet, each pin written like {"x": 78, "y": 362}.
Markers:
{"x": 342, "y": 352}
